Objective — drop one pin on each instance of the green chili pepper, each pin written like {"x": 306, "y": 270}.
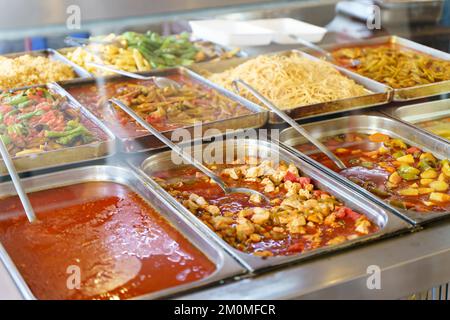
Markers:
{"x": 398, "y": 204}
{"x": 24, "y": 104}
{"x": 12, "y": 112}
{"x": 398, "y": 154}
{"x": 17, "y": 100}
{"x": 408, "y": 173}
{"x": 6, "y": 139}
{"x": 367, "y": 164}
{"x": 30, "y": 115}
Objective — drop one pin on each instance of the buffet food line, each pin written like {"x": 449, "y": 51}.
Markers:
{"x": 111, "y": 201}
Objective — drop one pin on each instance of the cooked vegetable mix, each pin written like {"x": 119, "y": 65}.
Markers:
{"x": 402, "y": 175}
{"x": 395, "y": 65}
{"x": 299, "y": 218}
{"x": 132, "y": 51}
{"x": 37, "y": 120}
{"x": 165, "y": 109}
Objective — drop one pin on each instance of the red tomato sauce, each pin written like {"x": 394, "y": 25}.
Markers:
{"x": 122, "y": 247}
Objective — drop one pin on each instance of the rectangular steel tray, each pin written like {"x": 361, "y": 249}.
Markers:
{"x": 380, "y": 93}
{"x": 147, "y": 141}
{"x": 226, "y": 266}
{"x": 415, "y": 113}
{"x": 389, "y": 223}
{"x": 52, "y": 55}
{"x": 69, "y": 155}
{"x": 411, "y": 93}
{"x": 371, "y": 123}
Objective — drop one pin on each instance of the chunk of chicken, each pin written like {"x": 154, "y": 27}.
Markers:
{"x": 220, "y": 222}
{"x": 260, "y": 216}
{"x": 362, "y": 225}
{"x": 198, "y": 200}
{"x": 255, "y": 198}
{"x": 214, "y": 210}
{"x": 296, "y": 225}
{"x": 231, "y": 172}
{"x": 337, "y": 240}
{"x": 244, "y": 228}
{"x": 291, "y": 202}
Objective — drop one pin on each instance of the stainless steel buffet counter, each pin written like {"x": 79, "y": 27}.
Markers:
{"x": 408, "y": 263}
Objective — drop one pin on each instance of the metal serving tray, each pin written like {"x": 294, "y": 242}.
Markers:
{"x": 389, "y": 224}
{"x": 411, "y": 93}
{"x": 379, "y": 93}
{"x": 70, "y": 155}
{"x": 147, "y": 141}
{"x": 371, "y": 123}
{"x": 226, "y": 266}
{"x": 53, "y": 55}
{"x": 416, "y": 113}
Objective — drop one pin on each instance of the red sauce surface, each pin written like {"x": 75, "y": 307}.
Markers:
{"x": 122, "y": 246}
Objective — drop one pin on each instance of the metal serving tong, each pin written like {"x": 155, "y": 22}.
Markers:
{"x": 328, "y": 56}
{"x": 16, "y": 181}
{"x": 80, "y": 42}
{"x": 291, "y": 122}
{"x": 187, "y": 157}
{"x": 161, "y": 82}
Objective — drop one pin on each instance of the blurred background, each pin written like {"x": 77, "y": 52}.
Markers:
{"x": 37, "y": 24}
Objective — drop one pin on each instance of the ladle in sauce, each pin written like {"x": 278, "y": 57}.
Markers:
{"x": 16, "y": 181}
{"x": 187, "y": 157}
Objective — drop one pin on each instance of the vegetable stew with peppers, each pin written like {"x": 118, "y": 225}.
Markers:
{"x": 37, "y": 120}
{"x": 299, "y": 217}
{"x": 165, "y": 109}
{"x": 405, "y": 176}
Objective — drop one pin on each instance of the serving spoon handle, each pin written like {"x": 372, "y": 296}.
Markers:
{"x": 290, "y": 121}
{"x": 16, "y": 181}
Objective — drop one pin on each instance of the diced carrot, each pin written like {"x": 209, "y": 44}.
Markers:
{"x": 379, "y": 137}
{"x": 413, "y": 150}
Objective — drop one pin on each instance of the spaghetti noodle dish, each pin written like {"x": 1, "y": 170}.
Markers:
{"x": 291, "y": 81}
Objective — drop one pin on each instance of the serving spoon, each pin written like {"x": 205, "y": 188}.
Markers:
{"x": 79, "y": 42}
{"x": 187, "y": 157}
{"x": 17, "y": 184}
{"x": 328, "y": 56}
{"x": 160, "y": 82}
{"x": 291, "y": 122}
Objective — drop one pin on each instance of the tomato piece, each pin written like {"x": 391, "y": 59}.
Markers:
{"x": 296, "y": 247}
{"x": 291, "y": 177}
{"x": 341, "y": 213}
{"x": 304, "y": 180}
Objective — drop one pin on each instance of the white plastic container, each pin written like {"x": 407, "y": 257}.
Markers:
{"x": 231, "y": 33}
{"x": 286, "y": 30}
